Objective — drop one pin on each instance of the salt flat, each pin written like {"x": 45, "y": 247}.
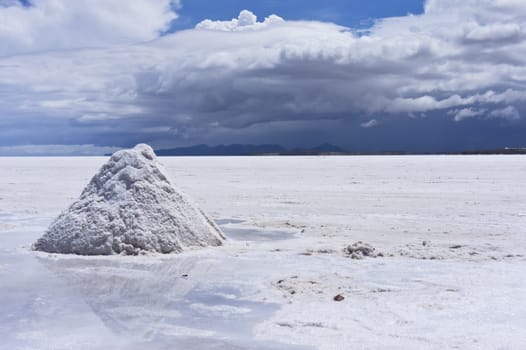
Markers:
{"x": 452, "y": 230}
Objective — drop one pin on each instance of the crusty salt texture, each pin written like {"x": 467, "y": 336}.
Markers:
{"x": 130, "y": 207}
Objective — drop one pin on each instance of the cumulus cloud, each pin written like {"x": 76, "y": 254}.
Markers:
{"x": 498, "y": 31}
{"x": 509, "y": 113}
{"x": 461, "y": 114}
{"x": 61, "y": 25}
{"x": 246, "y": 21}
{"x": 465, "y": 59}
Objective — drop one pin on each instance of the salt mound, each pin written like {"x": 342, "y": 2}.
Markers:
{"x": 130, "y": 207}
{"x": 360, "y": 250}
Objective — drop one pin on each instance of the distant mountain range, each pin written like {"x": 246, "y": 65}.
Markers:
{"x": 507, "y": 150}
{"x": 323, "y": 149}
{"x": 249, "y": 150}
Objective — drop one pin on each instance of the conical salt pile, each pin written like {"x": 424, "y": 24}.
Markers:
{"x": 130, "y": 207}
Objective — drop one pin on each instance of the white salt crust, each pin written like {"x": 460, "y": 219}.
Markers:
{"x": 130, "y": 207}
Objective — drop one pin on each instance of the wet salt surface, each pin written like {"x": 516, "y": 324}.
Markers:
{"x": 256, "y": 235}
{"x": 181, "y": 300}
{"x": 234, "y": 232}
{"x": 64, "y": 302}
{"x": 69, "y": 302}
{"x": 223, "y": 222}
{"x": 37, "y": 307}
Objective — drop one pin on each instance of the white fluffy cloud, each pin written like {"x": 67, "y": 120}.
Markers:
{"x": 58, "y": 24}
{"x": 460, "y": 59}
{"x": 466, "y": 113}
{"x": 510, "y": 113}
{"x": 246, "y": 21}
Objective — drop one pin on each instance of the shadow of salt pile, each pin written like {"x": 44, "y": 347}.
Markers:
{"x": 179, "y": 300}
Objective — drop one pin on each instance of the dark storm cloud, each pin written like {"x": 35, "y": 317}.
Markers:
{"x": 284, "y": 81}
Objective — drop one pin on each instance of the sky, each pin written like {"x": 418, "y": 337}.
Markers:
{"x": 92, "y": 76}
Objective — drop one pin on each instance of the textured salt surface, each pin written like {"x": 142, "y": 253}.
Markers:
{"x": 452, "y": 299}
{"x": 130, "y": 207}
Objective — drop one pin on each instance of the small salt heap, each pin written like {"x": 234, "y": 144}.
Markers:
{"x": 360, "y": 250}
{"x": 130, "y": 207}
